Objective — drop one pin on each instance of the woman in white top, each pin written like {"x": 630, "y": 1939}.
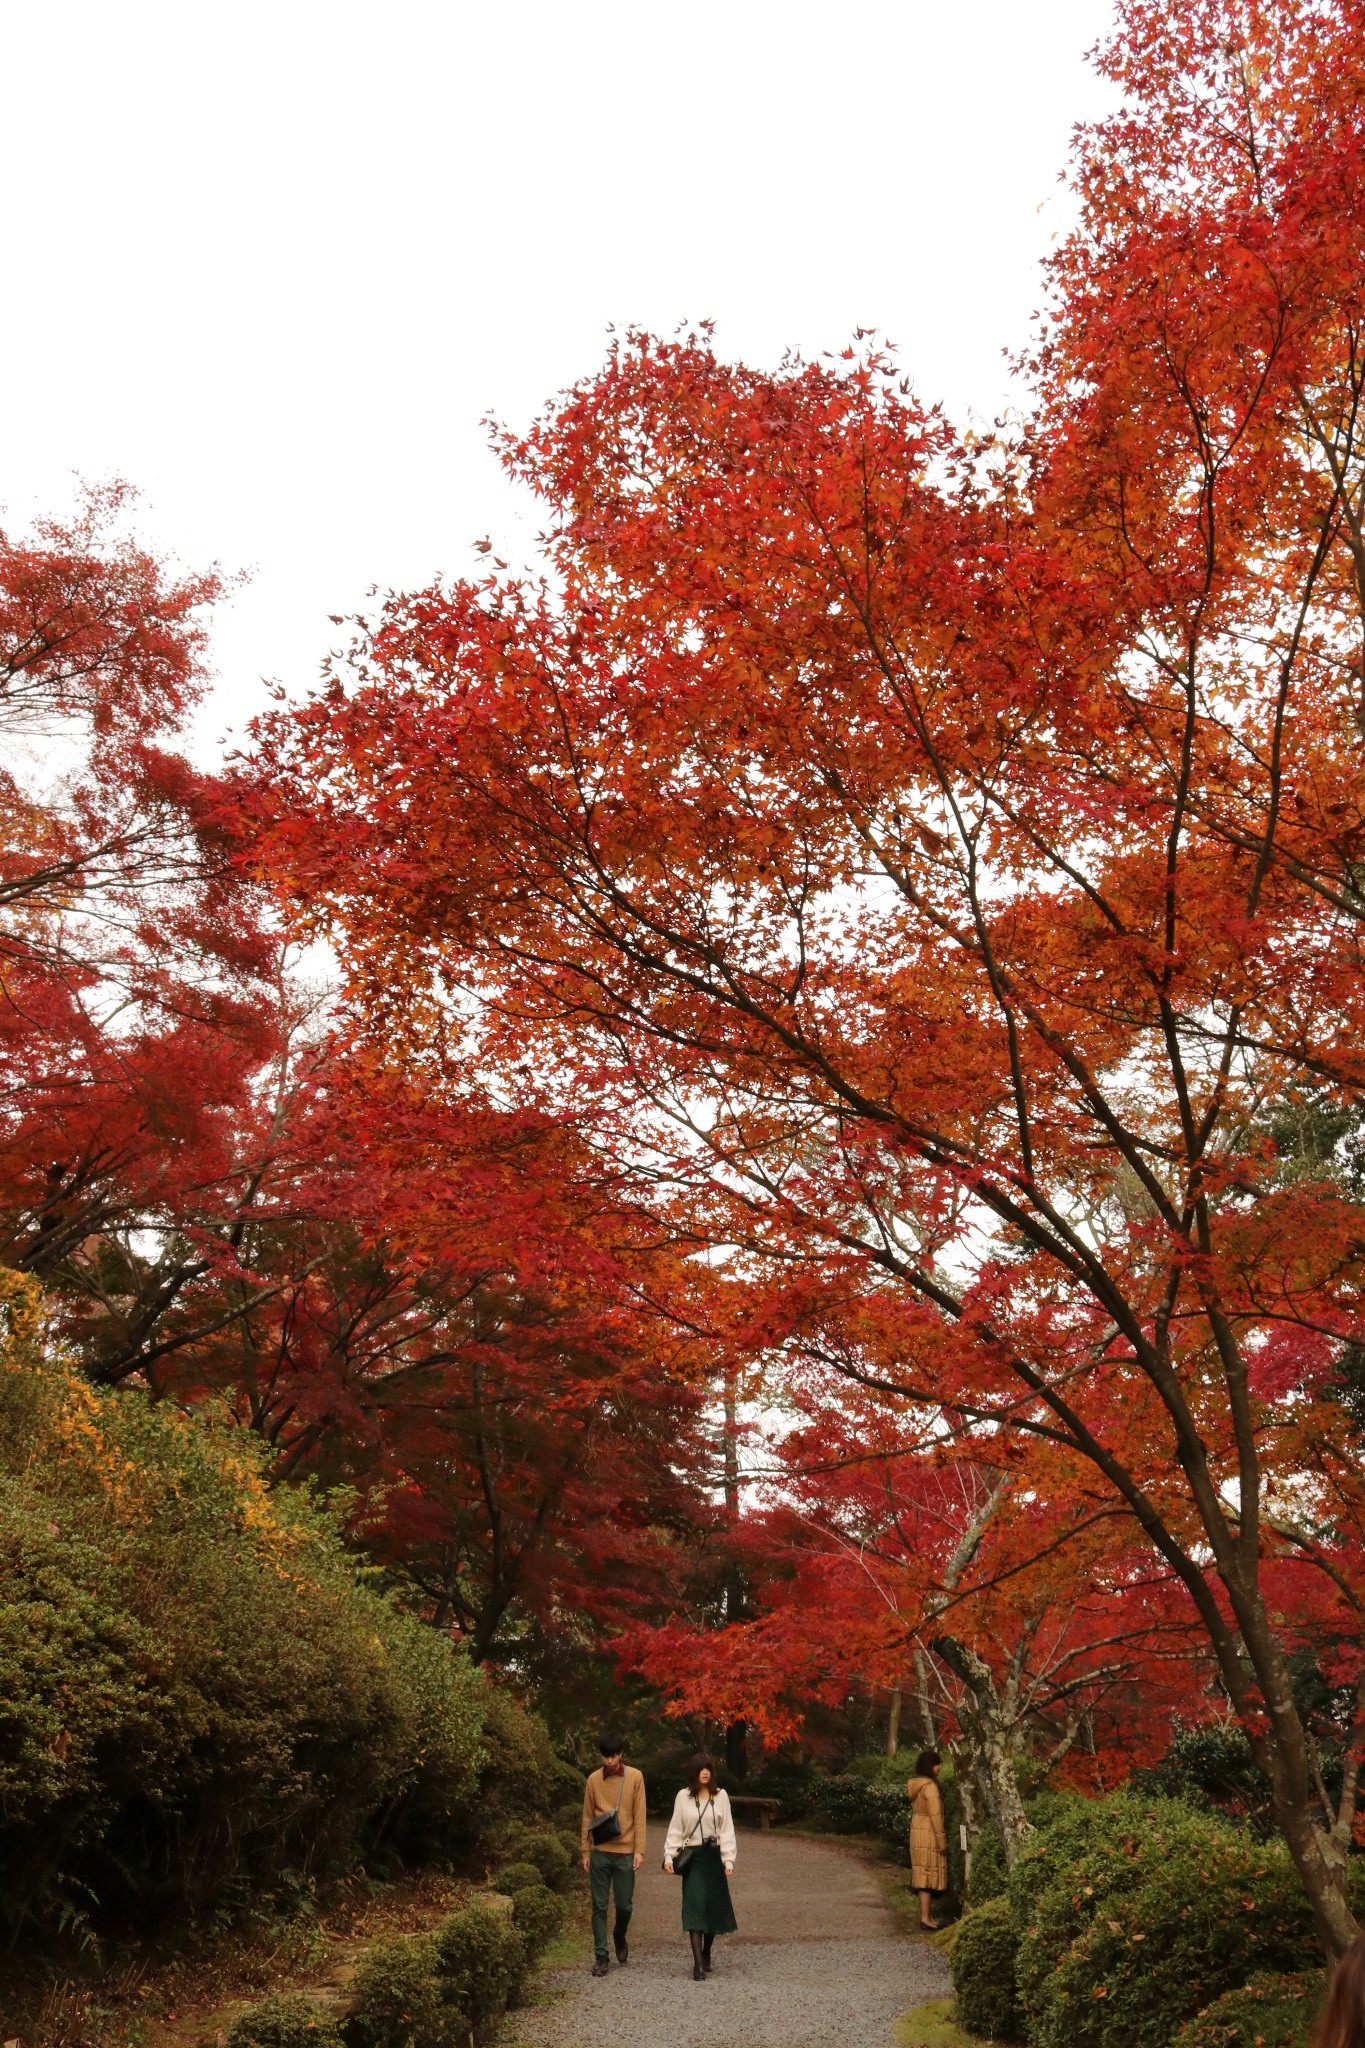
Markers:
{"x": 701, "y": 1837}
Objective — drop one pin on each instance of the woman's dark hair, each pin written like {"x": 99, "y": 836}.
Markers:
{"x": 927, "y": 1762}
{"x": 695, "y": 1766}
{"x": 1343, "y": 2017}
{"x": 610, "y": 1743}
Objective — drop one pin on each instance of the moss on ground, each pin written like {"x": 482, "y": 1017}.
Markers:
{"x": 933, "y": 2026}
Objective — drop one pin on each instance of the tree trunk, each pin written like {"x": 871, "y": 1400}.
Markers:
{"x": 927, "y": 1732}
{"x": 1258, "y": 1683}
{"x": 965, "y": 1779}
{"x": 989, "y": 1732}
{"x": 737, "y": 1748}
{"x": 893, "y": 1725}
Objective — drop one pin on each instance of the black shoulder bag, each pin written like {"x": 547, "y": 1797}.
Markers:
{"x": 605, "y": 1827}
{"x": 684, "y": 1855}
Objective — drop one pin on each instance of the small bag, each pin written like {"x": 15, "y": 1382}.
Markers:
{"x": 605, "y": 1827}
{"x": 683, "y": 1856}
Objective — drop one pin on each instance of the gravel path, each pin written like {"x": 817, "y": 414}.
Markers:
{"x": 820, "y": 1961}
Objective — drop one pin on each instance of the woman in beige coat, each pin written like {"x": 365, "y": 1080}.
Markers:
{"x": 928, "y": 1835}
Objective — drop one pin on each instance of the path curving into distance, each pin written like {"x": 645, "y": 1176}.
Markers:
{"x": 820, "y": 1961}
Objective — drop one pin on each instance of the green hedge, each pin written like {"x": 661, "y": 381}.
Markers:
{"x": 286, "y": 2020}
{"x": 1271, "y": 2011}
{"x": 990, "y": 1873}
{"x": 869, "y": 1799}
{"x": 549, "y": 1853}
{"x": 538, "y": 1916}
{"x": 1133, "y": 1919}
{"x": 398, "y": 1999}
{"x": 856, "y": 1806}
{"x": 522, "y": 1776}
{"x": 983, "y": 1964}
{"x": 1134, "y": 1915}
{"x": 434, "y": 1990}
{"x": 788, "y": 1780}
{"x": 203, "y": 1697}
{"x": 482, "y": 1960}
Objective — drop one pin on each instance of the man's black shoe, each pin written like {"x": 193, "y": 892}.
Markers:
{"x": 601, "y": 1967}
{"x": 623, "y": 1953}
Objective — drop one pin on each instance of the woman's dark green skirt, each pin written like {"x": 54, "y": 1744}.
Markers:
{"x": 706, "y": 1907}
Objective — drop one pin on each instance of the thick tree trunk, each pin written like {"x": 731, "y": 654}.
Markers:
{"x": 989, "y": 1728}
{"x": 737, "y": 1748}
{"x": 1258, "y": 1683}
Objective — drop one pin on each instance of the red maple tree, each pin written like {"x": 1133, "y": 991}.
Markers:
{"x": 937, "y": 857}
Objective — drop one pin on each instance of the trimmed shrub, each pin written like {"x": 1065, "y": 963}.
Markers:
{"x": 285, "y": 2020}
{"x": 983, "y": 1955}
{"x": 481, "y": 1958}
{"x": 520, "y": 1774}
{"x": 573, "y": 1850}
{"x": 514, "y": 1877}
{"x": 566, "y": 1783}
{"x": 549, "y": 1853}
{"x": 1136, "y": 1915}
{"x": 202, "y": 1694}
{"x": 1212, "y": 1767}
{"x": 859, "y": 1806}
{"x": 397, "y": 1999}
{"x": 1268, "y": 2012}
{"x": 869, "y": 1799}
{"x": 1050, "y": 1805}
{"x": 538, "y": 1916}
{"x": 990, "y": 1877}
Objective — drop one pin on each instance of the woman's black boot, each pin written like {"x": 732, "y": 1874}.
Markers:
{"x": 706, "y": 1942}
{"x": 697, "y": 1971}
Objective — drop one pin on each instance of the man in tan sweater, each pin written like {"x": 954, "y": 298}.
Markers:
{"x": 614, "y": 1850}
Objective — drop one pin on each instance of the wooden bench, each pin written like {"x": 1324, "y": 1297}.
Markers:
{"x": 766, "y": 1809}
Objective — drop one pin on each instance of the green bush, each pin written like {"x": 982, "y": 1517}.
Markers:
{"x": 1048, "y": 1807}
{"x": 286, "y": 2020}
{"x": 859, "y": 1806}
{"x": 565, "y": 1785}
{"x": 202, "y": 1695}
{"x": 550, "y": 1854}
{"x": 1212, "y": 1767}
{"x": 521, "y": 1771}
{"x": 571, "y": 1843}
{"x": 1269, "y": 2012}
{"x": 514, "y": 1877}
{"x": 1137, "y": 1914}
{"x": 1044, "y": 1809}
{"x": 481, "y": 1958}
{"x": 788, "y": 1780}
{"x": 990, "y": 1877}
{"x": 538, "y": 1916}
{"x": 869, "y": 1799}
{"x": 397, "y": 1999}
{"x": 877, "y": 1768}
{"x": 983, "y": 1955}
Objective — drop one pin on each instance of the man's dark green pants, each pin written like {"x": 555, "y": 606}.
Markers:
{"x": 608, "y": 1873}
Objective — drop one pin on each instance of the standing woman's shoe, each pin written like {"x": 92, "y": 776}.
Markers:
{"x": 697, "y": 1971}
{"x": 706, "y": 1941}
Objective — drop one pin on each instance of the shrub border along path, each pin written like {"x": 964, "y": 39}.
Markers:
{"x": 196, "y": 2001}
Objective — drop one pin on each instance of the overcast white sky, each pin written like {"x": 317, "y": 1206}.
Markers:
{"x": 274, "y": 263}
